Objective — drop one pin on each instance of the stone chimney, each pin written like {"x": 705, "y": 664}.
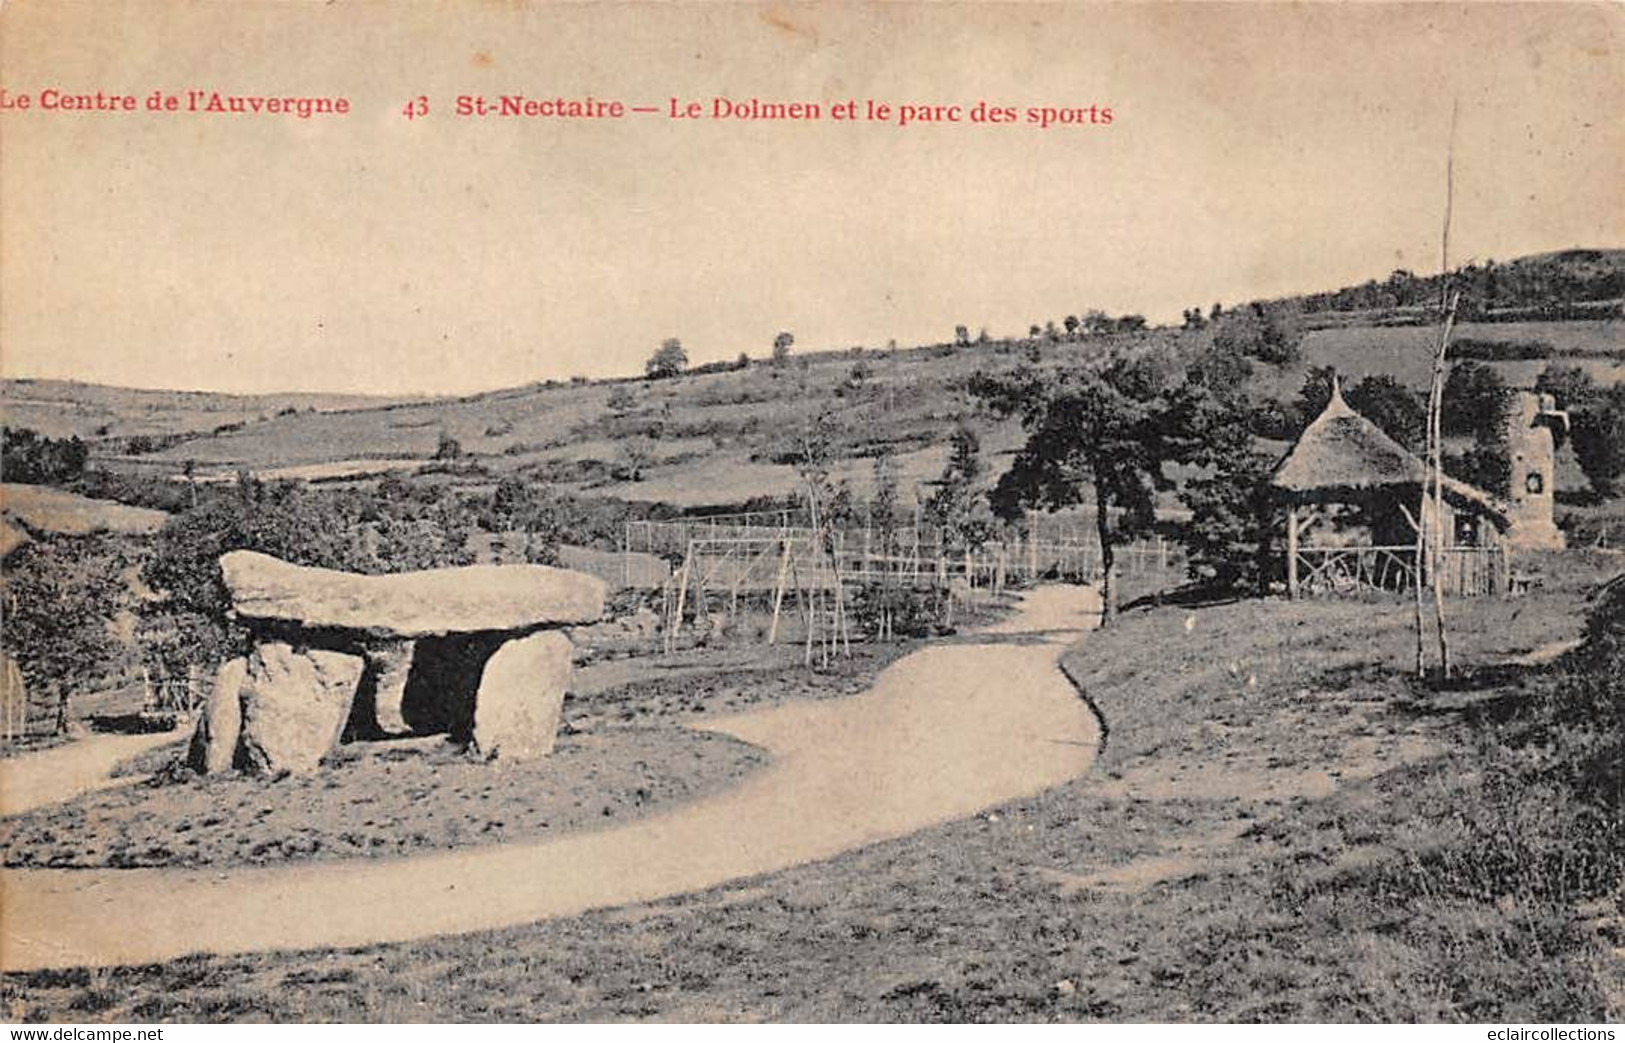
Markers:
{"x": 1533, "y": 420}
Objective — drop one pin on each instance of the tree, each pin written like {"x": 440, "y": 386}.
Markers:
{"x": 1071, "y": 322}
{"x": 885, "y": 504}
{"x": 1572, "y": 386}
{"x": 669, "y": 361}
{"x": 1393, "y": 407}
{"x": 1208, "y": 424}
{"x": 958, "y": 506}
{"x": 1599, "y": 440}
{"x": 962, "y": 336}
{"x": 1098, "y": 438}
{"x": 448, "y": 448}
{"x": 1313, "y": 393}
{"x": 61, "y": 595}
{"x": 1269, "y": 333}
{"x": 781, "y": 347}
{"x": 1475, "y": 402}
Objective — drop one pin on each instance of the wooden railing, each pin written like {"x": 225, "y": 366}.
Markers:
{"x": 1465, "y": 571}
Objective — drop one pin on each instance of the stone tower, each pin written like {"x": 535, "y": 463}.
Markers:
{"x": 1533, "y": 422}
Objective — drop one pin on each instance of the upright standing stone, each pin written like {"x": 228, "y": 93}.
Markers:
{"x": 392, "y": 665}
{"x": 516, "y": 712}
{"x": 214, "y": 743}
{"x": 295, "y": 705}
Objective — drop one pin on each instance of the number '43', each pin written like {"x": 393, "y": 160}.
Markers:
{"x": 416, "y": 108}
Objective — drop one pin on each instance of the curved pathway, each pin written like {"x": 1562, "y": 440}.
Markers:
{"x": 943, "y": 733}
{"x": 32, "y": 780}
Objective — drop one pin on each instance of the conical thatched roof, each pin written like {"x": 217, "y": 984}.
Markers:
{"x": 1343, "y": 452}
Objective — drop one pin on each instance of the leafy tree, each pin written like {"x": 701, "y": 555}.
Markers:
{"x": 1393, "y": 407}
{"x": 962, "y": 336}
{"x": 1208, "y": 423}
{"x": 1095, "y": 437}
{"x": 781, "y": 347}
{"x": 1599, "y": 440}
{"x": 1314, "y": 393}
{"x": 448, "y": 448}
{"x": 669, "y": 361}
{"x": 61, "y": 596}
{"x": 885, "y": 504}
{"x": 636, "y": 454}
{"x": 1071, "y": 322}
{"x": 958, "y": 506}
{"x": 1572, "y": 386}
{"x": 519, "y": 506}
{"x": 1272, "y": 334}
{"x": 1476, "y": 400}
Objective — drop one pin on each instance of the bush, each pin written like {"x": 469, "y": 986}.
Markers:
{"x": 1500, "y": 350}
{"x": 30, "y": 458}
{"x": 911, "y": 613}
{"x": 397, "y": 528}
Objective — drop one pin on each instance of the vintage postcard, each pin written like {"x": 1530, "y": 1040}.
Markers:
{"x": 525, "y": 512}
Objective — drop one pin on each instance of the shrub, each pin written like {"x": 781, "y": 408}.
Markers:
{"x": 910, "y": 612}
{"x": 28, "y": 457}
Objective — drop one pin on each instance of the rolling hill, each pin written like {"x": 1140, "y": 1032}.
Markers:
{"x": 713, "y": 439}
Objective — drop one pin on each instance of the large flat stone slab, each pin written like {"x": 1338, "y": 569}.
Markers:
{"x": 411, "y": 604}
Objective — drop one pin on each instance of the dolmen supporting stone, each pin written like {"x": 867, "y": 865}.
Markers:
{"x": 478, "y": 652}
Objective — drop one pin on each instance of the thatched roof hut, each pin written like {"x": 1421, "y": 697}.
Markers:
{"x": 1342, "y": 456}
{"x": 1343, "y": 460}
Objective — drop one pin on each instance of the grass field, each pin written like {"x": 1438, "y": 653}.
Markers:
{"x": 44, "y": 509}
{"x": 1268, "y": 835}
{"x": 1406, "y": 352}
{"x": 60, "y": 408}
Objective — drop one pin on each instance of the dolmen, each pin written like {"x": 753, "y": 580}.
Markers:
{"x": 480, "y": 653}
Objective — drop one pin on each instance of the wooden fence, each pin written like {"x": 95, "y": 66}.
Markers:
{"x": 1466, "y": 571}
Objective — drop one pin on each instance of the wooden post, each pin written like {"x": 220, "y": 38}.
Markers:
{"x": 1292, "y": 551}
{"x": 778, "y": 593}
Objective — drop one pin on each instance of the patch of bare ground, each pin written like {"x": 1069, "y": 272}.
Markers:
{"x": 386, "y": 798}
{"x": 1282, "y": 826}
{"x": 623, "y": 752}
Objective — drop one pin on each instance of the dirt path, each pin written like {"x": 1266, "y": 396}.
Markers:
{"x": 943, "y": 733}
{"x": 32, "y": 780}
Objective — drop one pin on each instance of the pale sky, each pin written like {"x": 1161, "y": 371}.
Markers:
{"x": 1254, "y": 151}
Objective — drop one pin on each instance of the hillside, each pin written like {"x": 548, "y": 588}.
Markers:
{"x": 60, "y": 408}
{"x": 722, "y": 438}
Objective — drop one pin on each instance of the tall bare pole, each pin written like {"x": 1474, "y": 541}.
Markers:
{"x": 1430, "y": 537}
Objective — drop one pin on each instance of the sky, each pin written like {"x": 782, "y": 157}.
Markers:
{"x": 1254, "y": 151}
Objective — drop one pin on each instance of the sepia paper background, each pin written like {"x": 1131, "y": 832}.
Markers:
{"x": 1255, "y": 150}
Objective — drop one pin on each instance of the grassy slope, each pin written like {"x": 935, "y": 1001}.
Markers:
{"x": 59, "y": 408}
{"x": 720, "y": 432}
{"x": 1257, "y": 842}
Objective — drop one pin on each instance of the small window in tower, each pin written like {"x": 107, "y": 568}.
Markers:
{"x": 1535, "y": 483}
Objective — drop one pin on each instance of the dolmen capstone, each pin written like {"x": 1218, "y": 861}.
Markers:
{"x": 478, "y": 652}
